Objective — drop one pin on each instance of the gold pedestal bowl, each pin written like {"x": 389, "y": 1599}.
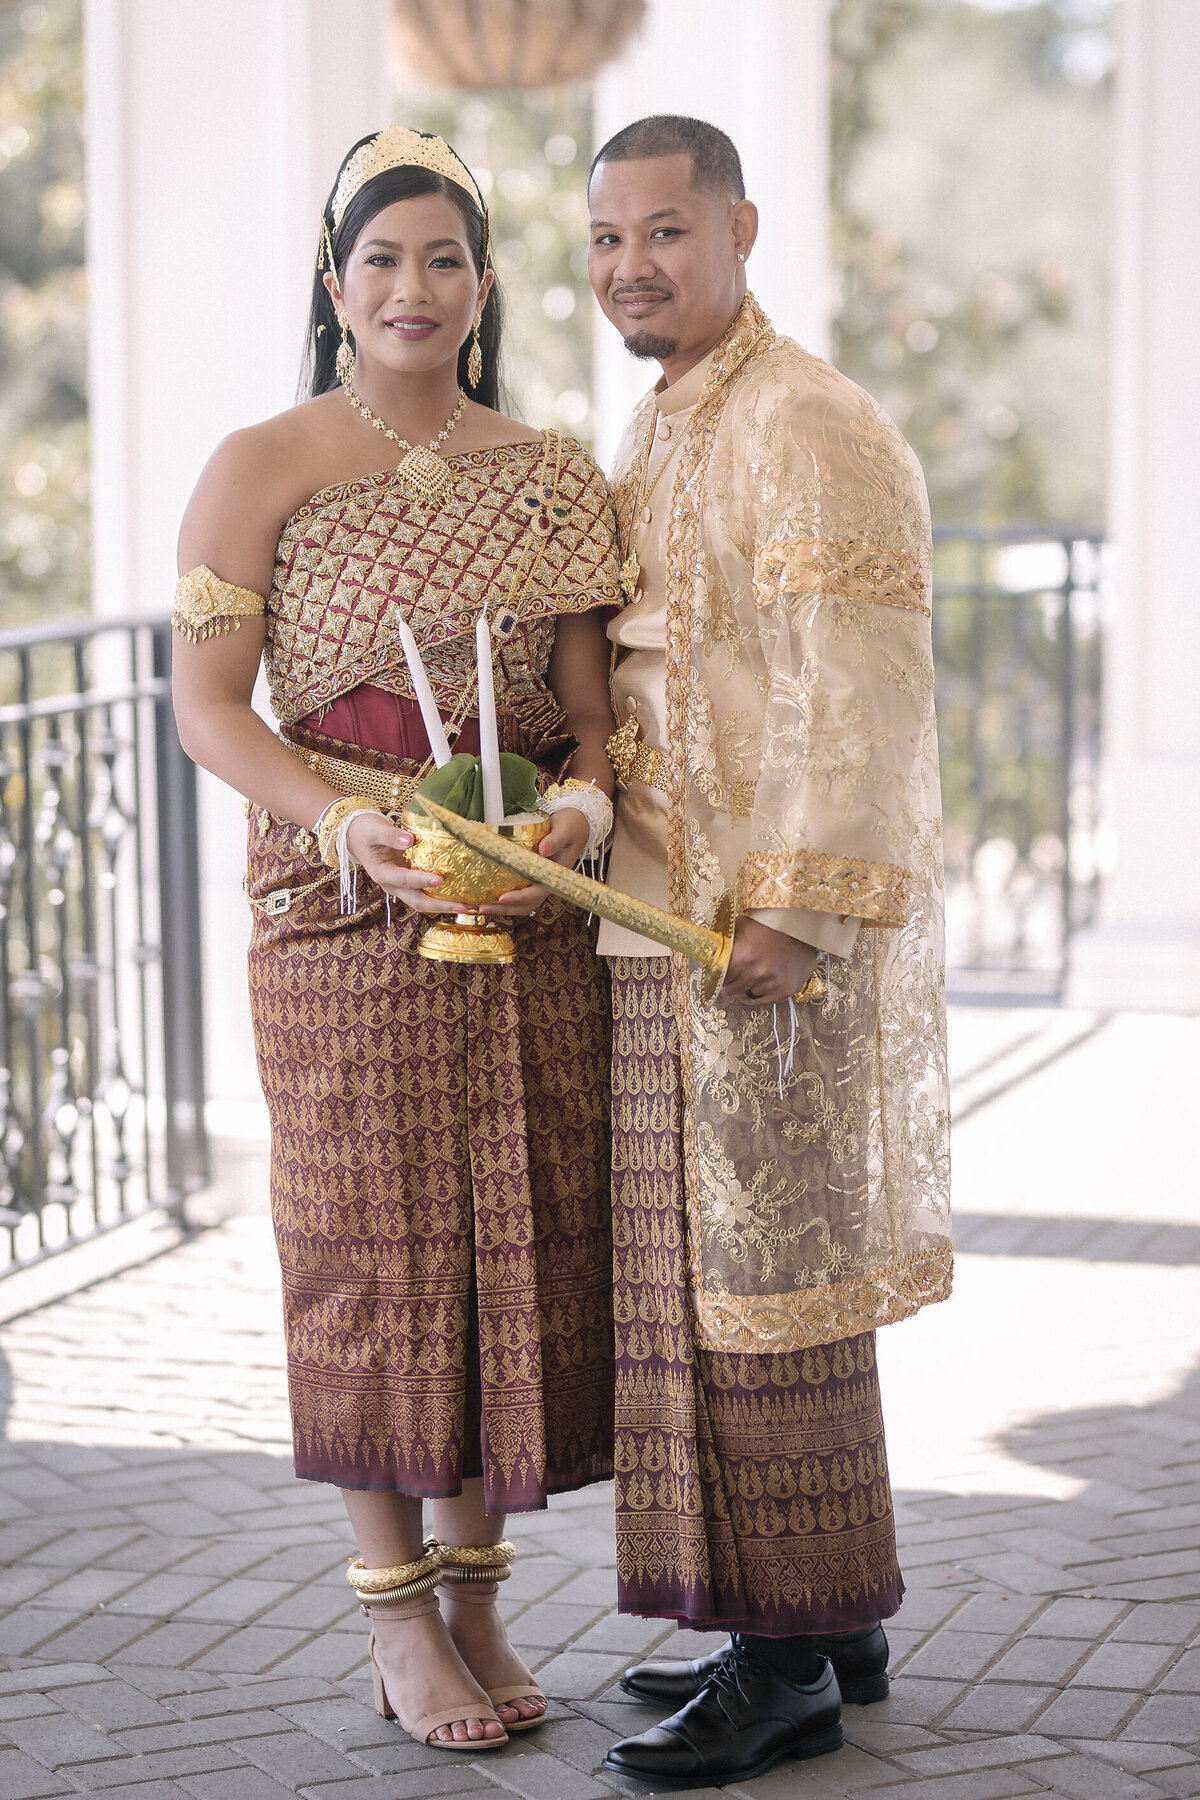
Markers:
{"x": 469, "y": 880}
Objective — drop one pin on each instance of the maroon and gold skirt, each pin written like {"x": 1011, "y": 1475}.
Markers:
{"x": 440, "y": 1192}
{"x": 752, "y": 1490}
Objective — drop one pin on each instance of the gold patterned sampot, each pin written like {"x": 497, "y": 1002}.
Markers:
{"x": 469, "y": 936}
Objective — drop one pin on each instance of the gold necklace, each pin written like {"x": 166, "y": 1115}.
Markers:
{"x": 422, "y": 471}
{"x": 629, "y": 574}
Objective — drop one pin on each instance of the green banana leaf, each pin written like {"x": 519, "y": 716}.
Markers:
{"x": 458, "y": 785}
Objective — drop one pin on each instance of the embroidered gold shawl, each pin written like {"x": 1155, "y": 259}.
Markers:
{"x": 526, "y": 528}
{"x": 802, "y": 770}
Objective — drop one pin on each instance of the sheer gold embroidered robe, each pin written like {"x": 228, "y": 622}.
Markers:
{"x": 801, "y": 769}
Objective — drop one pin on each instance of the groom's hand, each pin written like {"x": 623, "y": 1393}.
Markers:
{"x": 766, "y": 965}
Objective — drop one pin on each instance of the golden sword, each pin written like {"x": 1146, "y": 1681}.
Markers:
{"x": 711, "y": 949}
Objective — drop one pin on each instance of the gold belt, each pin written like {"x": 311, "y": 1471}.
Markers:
{"x": 634, "y": 761}
{"x": 389, "y": 792}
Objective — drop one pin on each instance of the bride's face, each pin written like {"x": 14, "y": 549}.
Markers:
{"x": 409, "y": 286}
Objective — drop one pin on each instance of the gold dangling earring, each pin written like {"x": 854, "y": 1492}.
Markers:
{"x": 345, "y": 357}
{"x": 475, "y": 359}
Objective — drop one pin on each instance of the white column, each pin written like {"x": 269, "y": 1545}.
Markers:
{"x": 761, "y": 72}
{"x": 214, "y": 131}
{"x": 1146, "y": 953}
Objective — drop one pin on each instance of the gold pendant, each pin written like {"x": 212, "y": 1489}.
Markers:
{"x": 630, "y": 575}
{"x": 424, "y": 474}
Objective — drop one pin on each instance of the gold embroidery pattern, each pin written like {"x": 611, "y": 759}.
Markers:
{"x": 868, "y": 573}
{"x": 207, "y": 607}
{"x": 806, "y": 1186}
{"x": 357, "y": 551}
{"x": 751, "y": 1489}
{"x": 874, "y": 892}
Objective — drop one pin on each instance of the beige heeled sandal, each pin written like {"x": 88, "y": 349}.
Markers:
{"x": 408, "y": 1595}
{"x": 471, "y": 1574}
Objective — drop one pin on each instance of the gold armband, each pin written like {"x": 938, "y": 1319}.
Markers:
{"x": 206, "y": 607}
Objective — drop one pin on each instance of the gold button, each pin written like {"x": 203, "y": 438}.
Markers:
{"x": 647, "y": 515}
{"x": 664, "y": 428}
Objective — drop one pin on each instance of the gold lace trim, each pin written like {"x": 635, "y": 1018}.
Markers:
{"x": 839, "y": 569}
{"x": 207, "y": 607}
{"x": 875, "y": 892}
{"x": 763, "y": 1323}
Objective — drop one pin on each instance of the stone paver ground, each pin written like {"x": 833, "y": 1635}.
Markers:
{"x": 175, "y": 1623}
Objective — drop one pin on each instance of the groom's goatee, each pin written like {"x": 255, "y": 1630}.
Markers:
{"x": 645, "y": 344}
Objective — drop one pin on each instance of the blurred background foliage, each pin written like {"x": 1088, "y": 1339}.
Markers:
{"x": 970, "y": 188}
{"x": 971, "y": 159}
{"x": 44, "y": 557}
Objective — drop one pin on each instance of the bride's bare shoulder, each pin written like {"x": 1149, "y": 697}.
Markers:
{"x": 251, "y": 485}
{"x": 482, "y": 427}
{"x": 281, "y": 452}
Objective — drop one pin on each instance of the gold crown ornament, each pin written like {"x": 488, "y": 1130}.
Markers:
{"x": 400, "y": 147}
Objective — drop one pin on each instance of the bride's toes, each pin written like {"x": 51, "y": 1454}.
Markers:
{"x": 512, "y": 1710}
{"x": 468, "y": 1731}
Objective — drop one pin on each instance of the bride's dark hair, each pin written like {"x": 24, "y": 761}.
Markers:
{"x": 318, "y": 373}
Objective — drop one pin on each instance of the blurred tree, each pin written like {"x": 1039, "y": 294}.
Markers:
{"x": 971, "y": 198}
{"x": 529, "y": 149}
{"x": 44, "y": 551}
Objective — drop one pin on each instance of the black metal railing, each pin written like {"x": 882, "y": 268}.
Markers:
{"x": 1017, "y": 624}
{"x": 101, "y": 1033}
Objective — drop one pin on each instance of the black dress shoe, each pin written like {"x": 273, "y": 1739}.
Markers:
{"x": 859, "y": 1658}
{"x": 744, "y": 1720}
{"x": 674, "y": 1681}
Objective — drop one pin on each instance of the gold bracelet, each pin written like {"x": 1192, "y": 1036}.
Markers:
{"x": 331, "y": 820}
{"x": 371, "y": 1583}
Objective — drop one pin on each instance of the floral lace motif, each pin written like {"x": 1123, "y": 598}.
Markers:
{"x": 801, "y": 767}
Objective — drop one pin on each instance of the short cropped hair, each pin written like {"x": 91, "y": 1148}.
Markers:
{"x": 716, "y": 165}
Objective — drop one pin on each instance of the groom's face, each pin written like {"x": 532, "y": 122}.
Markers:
{"x": 663, "y": 258}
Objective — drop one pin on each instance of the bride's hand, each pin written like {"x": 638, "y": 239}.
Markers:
{"x": 379, "y": 846}
{"x": 564, "y": 843}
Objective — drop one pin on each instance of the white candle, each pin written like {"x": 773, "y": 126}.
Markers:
{"x": 489, "y": 742}
{"x": 425, "y": 700}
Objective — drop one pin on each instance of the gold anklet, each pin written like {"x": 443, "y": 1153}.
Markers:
{"x": 476, "y": 1562}
{"x": 403, "y": 1581}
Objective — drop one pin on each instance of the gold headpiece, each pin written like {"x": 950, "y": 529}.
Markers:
{"x": 399, "y": 147}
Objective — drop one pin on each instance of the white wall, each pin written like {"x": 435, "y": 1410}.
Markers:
{"x": 214, "y": 130}
{"x": 759, "y": 70}
{"x": 1147, "y": 951}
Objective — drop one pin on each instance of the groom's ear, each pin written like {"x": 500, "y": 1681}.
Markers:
{"x": 744, "y": 220}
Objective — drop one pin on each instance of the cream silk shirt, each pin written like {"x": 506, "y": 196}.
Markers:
{"x": 638, "y": 860}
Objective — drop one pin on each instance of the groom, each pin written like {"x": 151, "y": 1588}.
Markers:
{"x": 780, "y": 1168}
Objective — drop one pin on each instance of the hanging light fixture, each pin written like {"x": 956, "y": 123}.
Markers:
{"x": 511, "y": 43}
